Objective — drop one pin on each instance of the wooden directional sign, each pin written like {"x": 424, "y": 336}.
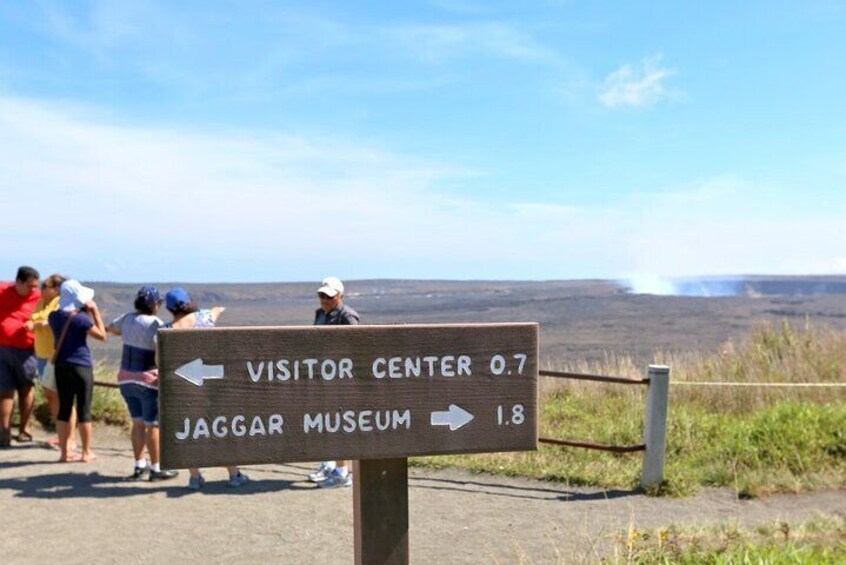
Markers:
{"x": 258, "y": 395}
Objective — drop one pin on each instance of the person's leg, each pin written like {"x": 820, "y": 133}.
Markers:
{"x": 151, "y": 418}
{"x": 86, "y": 435}
{"x": 154, "y": 449}
{"x": 236, "y": 477}
{"x": 150, "y": 409}
{"x": 26, "y": 401}
{"x": 339, "y": 477}
{"x": 7, "y": 397}
{"x": 53, "y": 403}
{"x": 139, "y": 440}
{"x": 138, "y": 437}
{"x": 7, "y": 405}
{"x": 64, "y": 432}
{"x": 64, "y": 385}
{"x": 196, "y": 480}
{"x": 48, "y": 385}
{"x": 72, "y": 427}
{"x": 85, "y": 394}
{"x": 27, "y": 375}
{"x": 342, "y": 467}
{"x": 153, "y": 438}
{"x": 321, "y": 472}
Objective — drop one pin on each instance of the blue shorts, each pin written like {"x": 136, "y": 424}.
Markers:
{"x": 18, "y": 368}
{"x": 143, "y": 402}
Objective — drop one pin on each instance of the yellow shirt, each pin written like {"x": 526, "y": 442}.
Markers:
{"x": 44, "y": 342}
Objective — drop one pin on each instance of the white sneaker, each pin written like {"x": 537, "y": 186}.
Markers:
{"x": 336, "y": 479}
{"x": 196, "y": 483}
{"x": 238, "y": 480}
{"x": 322, "y": 472}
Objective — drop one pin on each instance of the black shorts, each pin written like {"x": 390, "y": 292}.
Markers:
{"x": 18, "y": 368}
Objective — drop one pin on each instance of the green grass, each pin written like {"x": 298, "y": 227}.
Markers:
{"x": 820, "y": 541}
{"x": 757, "y": 440}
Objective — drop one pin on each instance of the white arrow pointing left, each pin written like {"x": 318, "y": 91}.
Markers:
{"x": 196, "y": 372}
{"x": 455, "y": 417}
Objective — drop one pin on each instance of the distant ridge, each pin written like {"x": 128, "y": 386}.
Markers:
{"x": 579, "y": 319}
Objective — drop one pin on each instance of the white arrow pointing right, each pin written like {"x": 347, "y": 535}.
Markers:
{"x": 455, "y": 417}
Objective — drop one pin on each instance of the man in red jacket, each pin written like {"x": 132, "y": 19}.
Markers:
{"x": 18, "y": 364}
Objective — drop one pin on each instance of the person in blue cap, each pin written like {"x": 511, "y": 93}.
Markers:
{"x": 139, "y": 381}
{"x": 186, "y": 315}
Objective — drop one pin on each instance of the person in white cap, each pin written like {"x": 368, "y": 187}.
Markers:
{"x": 333, "y": 312}
{"x": 77, "y": 318}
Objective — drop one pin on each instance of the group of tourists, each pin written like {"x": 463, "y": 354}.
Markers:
{"x": 44, "y": 331}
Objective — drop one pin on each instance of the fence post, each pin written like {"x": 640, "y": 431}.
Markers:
{"x": 657, "y": 399}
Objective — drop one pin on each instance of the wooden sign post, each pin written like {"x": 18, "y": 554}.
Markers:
{"x": 239, "y": 396}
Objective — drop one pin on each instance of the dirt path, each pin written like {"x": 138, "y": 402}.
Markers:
{"x": 77, "y": 513}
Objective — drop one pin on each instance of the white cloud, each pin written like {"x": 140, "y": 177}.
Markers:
{"x": 436, "y": 43}
{"x": 118, "y": 34}
{"x": 97, "y": 199}
{"x": 637, "y": 85}
{"x": 266, "y": 204}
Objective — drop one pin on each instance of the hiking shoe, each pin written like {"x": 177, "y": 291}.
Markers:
{"x": 336, "y": 479}
{"x": 196, "y": 483}
{"x": 139, "y": 473}
{"x": 322, "y": 472}
{"x": 162, "y": 475}
{"x": 238, "y": 480}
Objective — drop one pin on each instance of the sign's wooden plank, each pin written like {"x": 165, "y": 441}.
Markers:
{"x": 260, "y": 395}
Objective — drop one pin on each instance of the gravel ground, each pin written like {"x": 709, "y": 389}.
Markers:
{"x": 88, "y": 513}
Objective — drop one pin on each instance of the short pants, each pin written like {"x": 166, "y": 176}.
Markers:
{"x": 18, "y": 368}
{"x": 142, "y": 401}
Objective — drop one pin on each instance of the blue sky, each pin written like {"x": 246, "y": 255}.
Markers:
{"x": 275, "y": 141}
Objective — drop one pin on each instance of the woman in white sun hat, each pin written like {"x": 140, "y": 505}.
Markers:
{"x": 77, "y": 318}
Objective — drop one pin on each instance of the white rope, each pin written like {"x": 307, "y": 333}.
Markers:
{"x": 823, "y": 385}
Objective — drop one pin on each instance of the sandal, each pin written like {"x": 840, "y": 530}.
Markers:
{"x": 24, "y": 437}
{"x": 5, "y": 438}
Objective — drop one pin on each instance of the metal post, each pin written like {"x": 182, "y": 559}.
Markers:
{"x": 655, "y": 437}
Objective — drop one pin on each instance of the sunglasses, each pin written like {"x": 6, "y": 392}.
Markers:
{"x": 324, "y": 296}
